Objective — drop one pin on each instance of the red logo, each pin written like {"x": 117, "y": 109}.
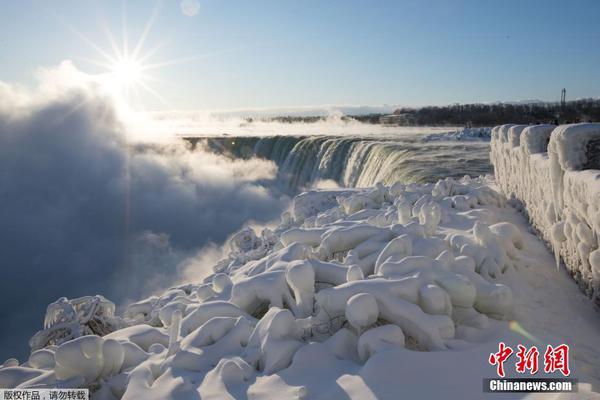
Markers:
{"x": 528, "y": 360}
{"x": 498, "y": 358}
{"x": 555, "y": 359}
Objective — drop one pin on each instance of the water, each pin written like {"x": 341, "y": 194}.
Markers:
{"x": 358, "y": 160}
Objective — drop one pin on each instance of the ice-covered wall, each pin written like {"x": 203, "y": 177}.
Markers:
{"x": 554, "y": 174}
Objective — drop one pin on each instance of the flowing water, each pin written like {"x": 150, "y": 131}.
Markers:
{"x": 357, "y": 161}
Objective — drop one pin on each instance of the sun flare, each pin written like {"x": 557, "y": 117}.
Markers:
{"x": 127, "y": 72}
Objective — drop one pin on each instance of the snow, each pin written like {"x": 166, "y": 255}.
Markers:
{"x": 546, "y": 173}
{"x": 535, "y": 139}
{"x": 460, "y": 135}
{"x": 357, "y": 293}
{"x": 570, "y": 142}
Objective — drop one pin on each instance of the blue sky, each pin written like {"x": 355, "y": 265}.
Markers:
{"x": 277, "y": 53}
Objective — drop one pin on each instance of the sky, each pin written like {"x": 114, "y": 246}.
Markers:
{"x": 222, "y": 54}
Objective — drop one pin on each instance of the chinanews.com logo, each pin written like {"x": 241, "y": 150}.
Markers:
{"x": 555, "y": 360}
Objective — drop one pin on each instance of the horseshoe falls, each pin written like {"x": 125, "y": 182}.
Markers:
{"x": 361, "y": 160}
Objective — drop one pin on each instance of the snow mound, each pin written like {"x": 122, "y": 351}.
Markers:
{"x": 347, "y": 274}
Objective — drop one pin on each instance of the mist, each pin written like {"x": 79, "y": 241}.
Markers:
{"x": 85, "y": 210}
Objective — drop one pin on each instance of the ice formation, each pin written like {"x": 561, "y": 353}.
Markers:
{"x": 358, "y": 271}
{"x": 402, "y": 154}
{"x": 461, "y": 134}
{"x": 553, "y": 173}
{"x": 69, "y": 319}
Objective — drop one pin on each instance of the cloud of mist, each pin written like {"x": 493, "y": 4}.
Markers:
{"x": 85, "y": 211}
{"x": 260, "y": 123}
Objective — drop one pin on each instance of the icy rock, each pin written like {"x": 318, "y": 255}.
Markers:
{"x": 142, "y": 310}
{"x": 301, "y": 278}
{"x": 362, "y": 311}
{"x": 310, "y": 237}
{"x": 142, "y": 335}
{"x": 397, "y": 248}
{"x": 268, "y": 289}
{"x": 379, "y": 339}
{"x": 88, "y": 357}
{"x": 347, "y": 238}
{"x": 228, "y": 380}
{"x": 165, "y": 314}
{"x": 205, "y": 292}
{"x": 434, "y": 300}
{"x": 428, "y": 329}
{"x": 430, "y": 216}
{"x": 217, "y": 338}
{"x": 354, "y": 274}
{"x": 43, "y": 359}
{"x": 208, "y": 310}
{"x": 221, "y": 282}
{"x": 274, "y": 341}
{"x": 495, "y": 248}
{"x": 311, "y": 203}
{"x": 69, "y": 319}
{"x": 244, "y": 241}
{"x": 11, "y": 362}
{"x": 404, "y": 212}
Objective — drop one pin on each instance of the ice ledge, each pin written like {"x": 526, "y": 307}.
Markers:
{"x": 553, "y": 172}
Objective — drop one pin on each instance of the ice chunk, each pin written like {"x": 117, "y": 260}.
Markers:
{"x": 362, "y": 311}
{"x": 69, "y": 319}
{"x": 379, "y": 339}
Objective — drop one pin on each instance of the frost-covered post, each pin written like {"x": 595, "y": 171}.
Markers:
{"x": 174, "y": 332}
{"x": 301, "y": 278}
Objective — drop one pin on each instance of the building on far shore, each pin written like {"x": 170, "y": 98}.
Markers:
{"x": 397, "y": 119}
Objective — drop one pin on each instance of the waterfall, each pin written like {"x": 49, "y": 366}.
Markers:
{"x": 356, "y": 161}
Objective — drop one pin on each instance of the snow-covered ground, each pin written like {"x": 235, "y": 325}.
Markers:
{"x": 384, "y": 292}
{"x": 460, "y": 135}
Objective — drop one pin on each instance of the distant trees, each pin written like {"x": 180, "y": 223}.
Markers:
{"x": 473, "y": 114}
{"x": 500, "y": 113}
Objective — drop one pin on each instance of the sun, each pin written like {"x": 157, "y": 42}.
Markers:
{"x": 127, "y": 72}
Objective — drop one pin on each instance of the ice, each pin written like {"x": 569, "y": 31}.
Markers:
{"x": 379, "y": 339}
{"x": 68, "y": 319}
{"x": 88, "y": 358}
{"x": 349, "y": 285}
{"x": 571, "y": 143}
{"x": 535, "y": 139}
{"x": 300, "y": 277}
{"x": 274, "y": 341}
{"x": 141, "y": 335}
{"x": 460, "y": 135}
{"x": 553, "y": 175}
{"x": 362, "y": 311}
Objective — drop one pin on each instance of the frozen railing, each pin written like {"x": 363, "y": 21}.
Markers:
{"x": 553, "y": 173}
{"x": 69, "y": 319}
